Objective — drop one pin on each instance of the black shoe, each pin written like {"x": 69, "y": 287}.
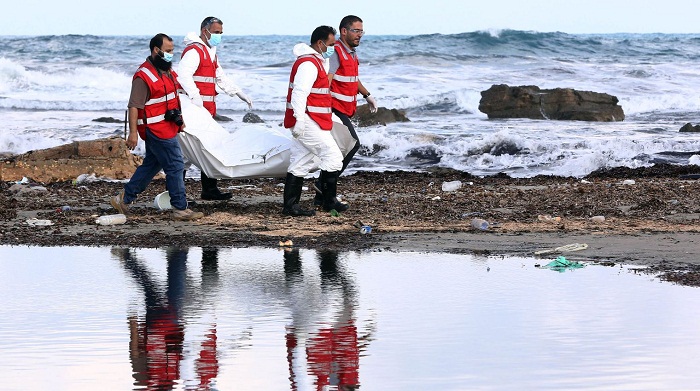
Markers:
{"x": 292, "y": 194}
{"x": 329, "y": 186}
{"x": 210, "y": 191}
{"x": 318, "y": 198}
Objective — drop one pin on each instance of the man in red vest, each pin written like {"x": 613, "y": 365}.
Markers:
{"x": 199, "y": 75}
{"x": 154, "y": 115}
{"x": 343, "y": 75}
{"x": 308, "y": 116}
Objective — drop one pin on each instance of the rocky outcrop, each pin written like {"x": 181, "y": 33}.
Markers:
{"x": 383, "y": 116}
{"x": 252, "y": 118}
{"x": 689, "y": 128}
{"x": 109, "y": 157}
{"x": 503, "y": 101}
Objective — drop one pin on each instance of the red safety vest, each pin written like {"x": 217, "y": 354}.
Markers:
{"x": 205, "y": 75}
{"x": 163, "y": 97}
{"x": 344, "y": 87}
{"x": 318, "y": 104}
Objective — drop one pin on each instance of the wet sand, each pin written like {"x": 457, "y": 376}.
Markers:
{"x": 655, "y": 222}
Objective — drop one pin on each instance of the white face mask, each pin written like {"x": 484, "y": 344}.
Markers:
{"x": 214, "y": 39}
{"x": 330, "y": 50}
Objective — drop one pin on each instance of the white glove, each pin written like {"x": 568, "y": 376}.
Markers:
{"x": 372, "y": 104}
{"x": 197, "y": 100}
{"x": 245, "y": 99}
{"x": 299, "y": 127}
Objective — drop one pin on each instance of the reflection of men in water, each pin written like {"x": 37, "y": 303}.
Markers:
{"x": 157, "y": 344}
{"x": 333, "y": 351}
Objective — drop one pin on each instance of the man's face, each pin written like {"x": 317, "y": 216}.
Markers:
{"x": 353, "y": 34}
{"x": 167, "y": 47}
{"x": 214, "y": 28}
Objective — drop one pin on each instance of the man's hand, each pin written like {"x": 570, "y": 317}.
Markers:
{"x": 298, "y": 129}
{"x": 372, "y": 104}
{"x": 132, "y": 140}
{"x": 245, "y": 99}
{"x": 197, "y": 101}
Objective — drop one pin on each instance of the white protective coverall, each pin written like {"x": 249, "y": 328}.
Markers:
{"x": 310, "y": 141}
{"x": 189, "y": 64}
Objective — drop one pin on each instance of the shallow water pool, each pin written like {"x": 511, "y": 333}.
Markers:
{"x": 75, "y": 318}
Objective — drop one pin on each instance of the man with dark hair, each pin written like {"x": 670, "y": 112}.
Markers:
{"x": 200, "y": 75}
{"x": 343, "y": 75}
{"x": 309, "y": 118}
{"x": 154, "y": 115}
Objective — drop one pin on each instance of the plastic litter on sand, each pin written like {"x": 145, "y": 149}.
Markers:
{"x": 34, "y": 222}
{"x": 563, "y": 249}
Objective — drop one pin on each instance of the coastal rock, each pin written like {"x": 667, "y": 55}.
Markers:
{"x": 252, "y": 118}
{"x": 689, "y": 128}
{"x": 108, "y": 120}
{"x": 503, "y": 101}
{"x": 383, "y": 116}
{"x": 222, "y": 118}
{"x": 108, "y": 157}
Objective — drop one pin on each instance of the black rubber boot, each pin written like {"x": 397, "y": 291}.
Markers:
{"x": 210, "y": 191}
{"x": 318, "y": 198}
{"x": 292, "y": 194}
{"x": 329, "y": 186}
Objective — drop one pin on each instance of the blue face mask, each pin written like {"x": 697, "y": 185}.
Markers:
{"x": 330, "y": 50}
{"x": 214, "y": 39}
{"x": 167, "y": 57}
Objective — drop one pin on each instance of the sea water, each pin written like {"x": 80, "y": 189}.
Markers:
{"x": 50, "y": 93}
{"x": 77, "y": 318}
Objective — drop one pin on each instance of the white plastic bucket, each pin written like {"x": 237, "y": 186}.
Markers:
{"x": 162, "y": 201}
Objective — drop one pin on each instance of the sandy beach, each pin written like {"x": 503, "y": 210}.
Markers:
{"x": 654, "y": 222}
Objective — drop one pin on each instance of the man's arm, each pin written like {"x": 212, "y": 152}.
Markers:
{"x": 303, "y": 82}
{"x": 137, "y": 100}
{"x": 185, "y": 76}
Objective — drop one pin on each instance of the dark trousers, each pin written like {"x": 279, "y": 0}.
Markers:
{"x": 346, "y": 121}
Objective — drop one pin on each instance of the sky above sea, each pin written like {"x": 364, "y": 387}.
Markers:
{"x": 279, "y": 17}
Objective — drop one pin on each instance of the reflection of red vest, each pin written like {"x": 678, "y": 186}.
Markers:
{"x": 205, "y": 75}
{"x": 318, "y": 104}
{"x": 163, "y": 97}
{"x": 344, "y": 87}
{"x": 334, "y": 354}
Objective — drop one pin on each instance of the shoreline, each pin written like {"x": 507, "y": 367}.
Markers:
{"x": 653, "y": 223}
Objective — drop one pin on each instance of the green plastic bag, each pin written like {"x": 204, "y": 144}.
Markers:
{"x": 562, "y": 264}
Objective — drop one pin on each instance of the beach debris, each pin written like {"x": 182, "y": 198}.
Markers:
{"x": 365, "y": 229}
{"x": 85, "y": 178}
{"x": 437, "y": 198}
{"x": 244, "y": 187}
{"x": 597, "y": 219}
{"x": 64, "y": 208}
{"x": 162, "y": 201}
{"x": 562, "y": 264}
{"x": 451, "y": 186}
{"x": 549, "y": 218}
{"x": 563, "y": 249}
{"x": 34, "y": 222}
{"x": 480, "y": 224}
{"x": 334, "y": 213}
{"x": 111, "y": 219}
{"x": 628, "y": 182}
{"x": 286, "y": 243}
{"x": 586, "y": 182}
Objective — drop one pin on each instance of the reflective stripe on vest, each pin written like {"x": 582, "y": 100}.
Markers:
{"x": 152, "y": 120}
{"x": 170, "y": 96}
{"x": 314, "y": 109}
{"x": 314, "y": 90}
{"x": 344, "y": 98}
{"x": 207, "y": 98}
{"x": 203, "y": 79}
{"x": 346, "y": 79}
{"x": 148, "y": 73}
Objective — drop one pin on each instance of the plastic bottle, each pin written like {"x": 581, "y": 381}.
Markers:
{"x": 365, "y": 229}
{"x": 480, "y": 224}
{"x": 598, "y": 219}
{"x": 111, "y": 219}
{"x": 451, "y": 186}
